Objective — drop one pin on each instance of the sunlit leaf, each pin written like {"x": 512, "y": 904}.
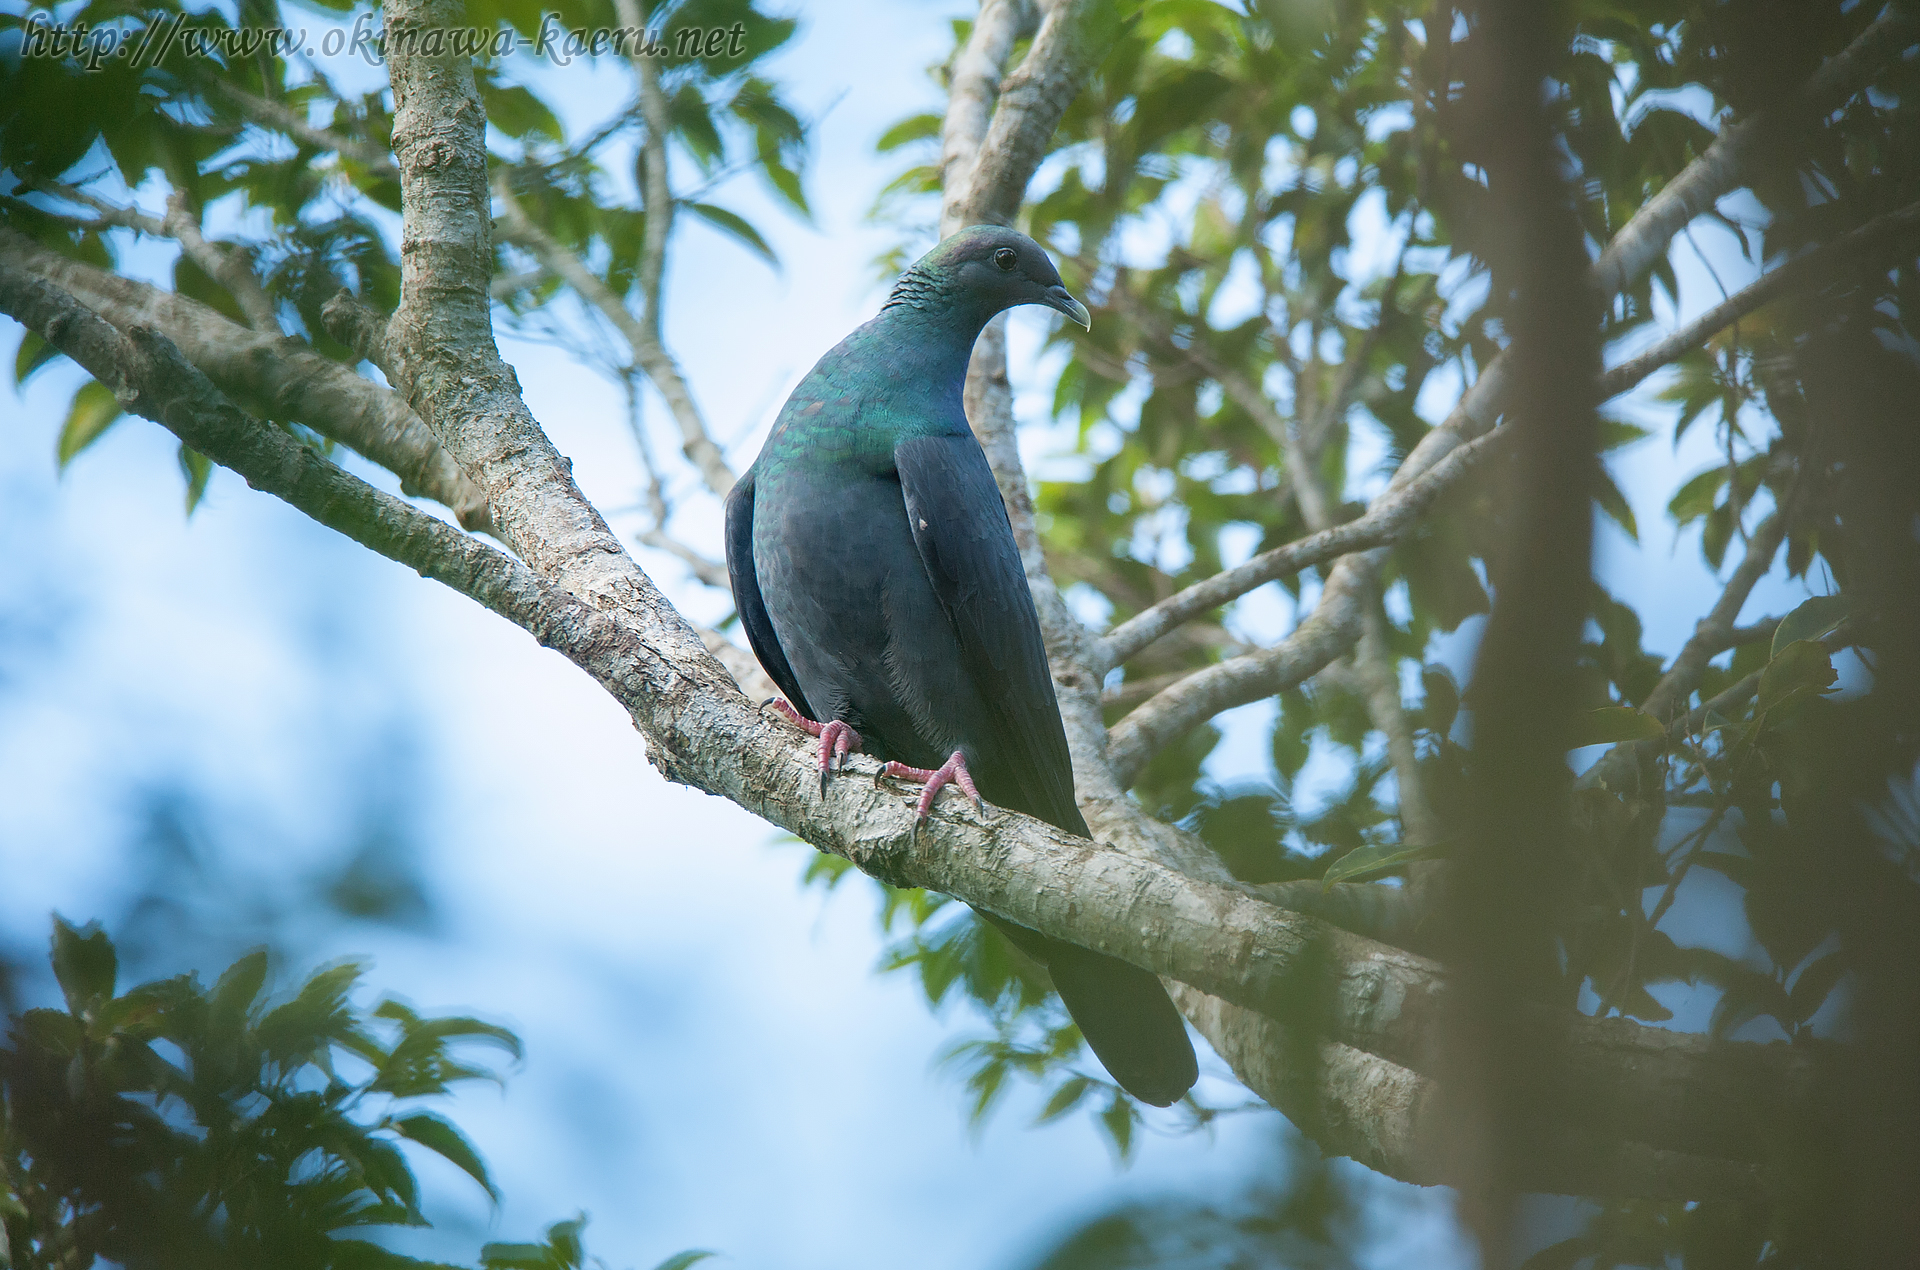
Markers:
{"x": 93, "y": 411}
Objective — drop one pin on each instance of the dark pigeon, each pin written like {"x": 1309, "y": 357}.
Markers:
{"x": 877, "y": 578}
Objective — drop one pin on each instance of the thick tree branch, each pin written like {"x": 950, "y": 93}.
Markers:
{"x": 1228, "y": 943}
{"x": 1388, "y": 1118}
{"x": 272, "y": 376}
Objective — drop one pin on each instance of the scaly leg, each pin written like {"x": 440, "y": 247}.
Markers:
{"x": 836, "y": 738}
{"x": 952, "y": 772}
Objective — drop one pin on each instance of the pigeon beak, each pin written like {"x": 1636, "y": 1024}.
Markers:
{"x": 1057, "y": 298}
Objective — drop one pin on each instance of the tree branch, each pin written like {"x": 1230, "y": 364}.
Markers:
{"x": 1389, "y": 517}
{"x": 1388, "y": 1118}
{"x": 273, "y": 376}
{"x": 281, "y": 117}
{"x": 641, "y": 335}
{"x": 228, "y": 268}
{"x": 1817, "y": 265}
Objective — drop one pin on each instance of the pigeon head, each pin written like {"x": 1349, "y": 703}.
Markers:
{"x": 982, "y": 270}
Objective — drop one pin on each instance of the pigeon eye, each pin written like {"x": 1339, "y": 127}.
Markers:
{"x": 1005, "y": 258}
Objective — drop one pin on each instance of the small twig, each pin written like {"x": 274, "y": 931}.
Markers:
{"x": 640, "y": 336}
{"x": 272, "y": 114}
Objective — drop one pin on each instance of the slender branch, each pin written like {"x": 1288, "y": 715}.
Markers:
{"x": 1715, "y": 631}
{"x": 1720, "y": 170}
{"x": 1390, "y": 516}
{"x": 1817, "y": 265}
{"x": 1031, "y": 102}
{"x": 1321, "y": 636}
{"x": 641, "y": 336}
{"x": 229, "y": 268}
{"x": 507, "y": 285}
{"x": 277, "y": 115}
{"x": 272, "y": 376}
{"x": 1620, "y": 766}
{"x": 1722, "y": 167}
{"x": 972, "y": 90}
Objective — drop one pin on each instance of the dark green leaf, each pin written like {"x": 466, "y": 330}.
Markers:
{"x": 1802, "y": 667}
{"x": 1813, "y": 984}
{"x": 435, "y": 1134}
{"x": 84, "y": 963}
{"x": 1377, "y": 861}
{"x": 681, "y": 1260}
{"x": 1814, "y": 619}
{"x": 1611, "y": 725}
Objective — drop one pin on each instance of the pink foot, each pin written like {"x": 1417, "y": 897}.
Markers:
{"x": 952, "y": 772}
{"x": 836, "y": 738}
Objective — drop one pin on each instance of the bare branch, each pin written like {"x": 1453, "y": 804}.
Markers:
{"x": 273, "y": 376}
{"x": 1816, "y": 265}
{"x": 1390, "y": 516}
{"x": 1722, "y": 168}
{"x": 1646, "y": 235}
{"x": 279, "y": 116}
{"x": 1031, "y": 102}
{"x": 640, "y": 335}
{"x": 1321, "y": 636}
{"x": 972, "y": 91}
{"x": 229, "y": 268}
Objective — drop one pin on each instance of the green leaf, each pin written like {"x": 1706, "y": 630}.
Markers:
{"x": 1064, "y": 1099}
{"x": 198, "y": 469}
{"x": 84, "y": 962}
{"x": 1738, "y": 869}
{"x": 1801, "y": 667}
{"x": 1815, "y": 619}
{"x": 1118, "y": 1120}
{"x": 913, "y": 128}
{"x": 93, "y": 411}
{"x": 1615, "y": 505}
{"x": 736, "y": 228}
{"x": 1368, "y": 862}
{"x": 33, "y": 353}
{"x": 681, "y": 1260}
{"x": 441, "y": 1138}
{"x": 1810, "y": 988}
{"x": 240, "y": 984}
{"x": 1611, "y": 725}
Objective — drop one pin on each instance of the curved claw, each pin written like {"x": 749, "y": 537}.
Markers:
{"x": 952, "y": 772}
{"x": 837, "y": 739}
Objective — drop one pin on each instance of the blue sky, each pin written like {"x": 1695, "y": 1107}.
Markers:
{"x": 711, "y": 1061}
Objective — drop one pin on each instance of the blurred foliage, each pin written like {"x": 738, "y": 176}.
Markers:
{"x": 311, "y": 222}
{"x": 1277, "y": 210}
{"x": 1219, "y": 195}
{"x": 175, "y": 1125}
